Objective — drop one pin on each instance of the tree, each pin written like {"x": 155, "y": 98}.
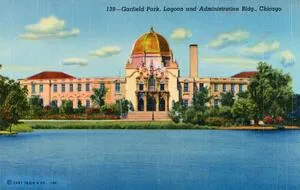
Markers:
{"x": 123, "y": 106}
{"x": 99, "y": 96}
{"x": 35, "y": 106}
{"x": 177, "y": 111}
{"x": 13, "y": 102}
{"x": 270, "y": 90}
{"x": 200, "y": 99}
{"x": 227, "y": 99}
{"x": 243, "y": 110}
{"x": 66, "y": 107}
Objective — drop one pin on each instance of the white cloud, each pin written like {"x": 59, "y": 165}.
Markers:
{"x": 287, "y": 58}
{"x": 231, "y": 61}
{"x": 262, "y": 49}
{"x": 74, "y": 61}
{"x": 229, "y": 38}
{"x": 49, "y": 27}
{"x": 106, "y": 51}
{"x": 181, "y": 34}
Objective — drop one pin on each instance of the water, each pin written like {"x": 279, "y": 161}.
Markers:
{"x": 151, "y": 159}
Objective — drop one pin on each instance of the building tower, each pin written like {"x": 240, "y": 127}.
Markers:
{"x": 193, "y": 60}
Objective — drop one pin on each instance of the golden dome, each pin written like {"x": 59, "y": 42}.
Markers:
{"x": 151, "y": 42}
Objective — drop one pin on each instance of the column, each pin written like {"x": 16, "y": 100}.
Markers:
{"x": 156, "y": 102}
{"x": 145, "y": 103}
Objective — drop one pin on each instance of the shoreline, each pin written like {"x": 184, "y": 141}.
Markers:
{"x": 138, "y": 125}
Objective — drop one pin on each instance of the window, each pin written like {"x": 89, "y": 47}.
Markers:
{"x": 185, "y": 102}
{"x": 79, "y": 87}
{"x": 224, "y": 87}
{"x": 71, "y": 87}
{"x": 151, "y": 84}
{"x": 240, "y": 88}
{"x": 117, "y": 87}
{"x": 88, "y": 103}
{"x": 55, "y": 88}
{"x": 32, "y": 88}
{"x": 87, "y": 87}
{"x": 162, "y": 87}
{"x": 185, "y": 87}
{"x": 63, "y": 87}
{"x": 102, "y": 85}
{"x": 216, "y": 87}
{"x": 42, "y": 101}
{"x": 141, "y": 87}
{"x": 216, "y": 102}
{"x": 41, "y": 88}
{"x": 232, "y": 88}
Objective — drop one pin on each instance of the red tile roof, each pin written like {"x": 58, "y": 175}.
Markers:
{"x": 50, "y": 75}
{"x": 248, "y": 74}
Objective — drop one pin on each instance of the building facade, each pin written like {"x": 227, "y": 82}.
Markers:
{"x": 152, "y": 80}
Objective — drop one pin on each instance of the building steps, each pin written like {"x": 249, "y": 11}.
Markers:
{"x": 148, "y": 116}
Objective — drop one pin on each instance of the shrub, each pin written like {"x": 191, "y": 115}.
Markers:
{"x": 279, "y": 120}
{"x": 225, "y": 112}
{"x": 268, "y": 120}
{"x": 218, "y": 121}
{"x": 109, "y": 109}
{"x": 188, "y": 116}
{"x": 92, "y": 110}
{"x": 66, "y": 107}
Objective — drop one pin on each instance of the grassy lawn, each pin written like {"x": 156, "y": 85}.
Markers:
{"x": 111, "y": 125}
{"x": 29, "y": 125}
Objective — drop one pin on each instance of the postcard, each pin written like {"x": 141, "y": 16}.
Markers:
{"x": 118, "y": 95}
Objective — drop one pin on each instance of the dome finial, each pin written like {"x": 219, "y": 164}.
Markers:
{"x": 151, "y": 29}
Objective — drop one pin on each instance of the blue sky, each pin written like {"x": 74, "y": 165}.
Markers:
{"x": 82, "y": 39}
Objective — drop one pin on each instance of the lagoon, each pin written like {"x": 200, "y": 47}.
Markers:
{"x": 150, "y": 159}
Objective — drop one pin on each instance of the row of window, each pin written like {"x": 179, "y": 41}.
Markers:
{"x": 71, "y": 87}
{"x": 186, "y": 86}
{"x": 216, "y": 87}
{"x": 79, "y": 103}
{"x": 224, "y": 87}
{"x": 186, "y": 102}
{"x": 151, "y": 87}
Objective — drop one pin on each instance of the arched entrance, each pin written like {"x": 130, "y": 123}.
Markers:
{"x": 141, "y": 104}
{"x": 151, "y": 103}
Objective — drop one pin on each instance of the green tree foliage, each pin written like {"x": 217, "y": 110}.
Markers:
{"x": 120, "y": 108}
{"x": 123, "y": 106}
{"x": 177, "y": 111}
{"x": 227, "y": 99}
{"x": 243, "y": 110}
{"x": 13, "y": 102}
{"x": 35, "y": 106}
{"x": 99, "y": 96}
{"x": 66, "y": 107}
{"x": 271, "y": 91}
{"x": 200, "y": 99}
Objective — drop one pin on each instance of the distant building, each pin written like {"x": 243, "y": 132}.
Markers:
{"x": 152, "y": 80}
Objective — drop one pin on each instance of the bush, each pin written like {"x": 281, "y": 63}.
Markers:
{"x": 188, "y": 116}
{"x": 92, "y": 110}
{"x": 279, "y": 120}
{"x": 218, "y": 121}
{"x": 109, "y": 109}
{"x": 268, "y": 120}
{"x": 66, "y": 107}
